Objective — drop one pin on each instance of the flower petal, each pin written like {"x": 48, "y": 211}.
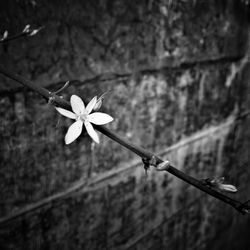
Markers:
{"x": 66, "y": 113}
{"x": 77, "y": 104}
{"x": 99, "y": 118}
{"x": 73, "y": 132}
{"x": 91, "y": 105}
{"x": 91, "y": 131}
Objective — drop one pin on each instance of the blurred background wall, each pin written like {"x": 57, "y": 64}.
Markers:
{"x": 177, "y": 76}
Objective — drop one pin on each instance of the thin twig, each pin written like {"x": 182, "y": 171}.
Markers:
{"x": 13, "y": 37}
{"x": 27, "y": 31}
{"x": 144, "y": 154}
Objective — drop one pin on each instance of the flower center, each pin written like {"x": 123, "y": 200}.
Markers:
{"x": 82, "y": 117}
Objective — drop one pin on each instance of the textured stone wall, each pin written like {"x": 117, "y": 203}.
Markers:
{"x": 176, "y": 81}
{"x": 85, "y": 39}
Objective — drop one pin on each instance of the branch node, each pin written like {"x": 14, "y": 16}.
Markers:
{"x": 52, "y": 95}
{"x": 218, "y": 183}
{"x": 146, "y": 165}
{"x": 149, "y": 161}
{"x": 51, "y": 98}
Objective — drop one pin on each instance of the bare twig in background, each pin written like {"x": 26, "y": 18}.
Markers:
{"x": 148, "y": 157}
{"x": 27, "y": 31}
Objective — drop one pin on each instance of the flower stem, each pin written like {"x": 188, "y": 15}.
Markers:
{"x": 57, "y": 101}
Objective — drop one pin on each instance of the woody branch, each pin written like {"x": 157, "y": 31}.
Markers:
{"x": 148, "y": 158}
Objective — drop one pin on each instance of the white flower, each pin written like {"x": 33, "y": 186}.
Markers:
{"x": 82, "y": 116}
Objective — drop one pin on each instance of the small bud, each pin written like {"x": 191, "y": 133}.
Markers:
{"x": 163, "y": 166}
{"x": 246, "y": 210}
{"x": 227, "y": 188}
{"x": 34, "y": 32}
{"x": 217, "y": 183}
{"x": 5, "y": 35}
{"x": 99, "y": 102}
{"x": 26, "y": 29}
